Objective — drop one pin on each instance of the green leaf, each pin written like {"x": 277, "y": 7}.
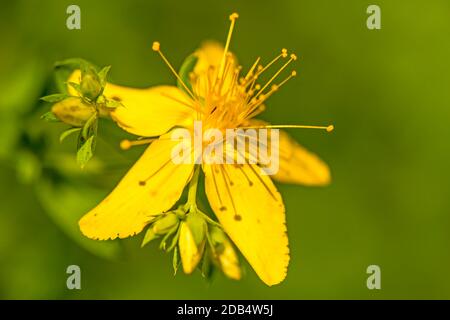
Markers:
{"x": 186, "y": 68}
{"x": 67, "y": 133}
{"x": 50, "y": 117}
{"x": 55, "y": 97}
{"x": 102, "y": 75}
{"x": 85, "y": 152}
{"x": 66, "y": 203}
{"x": 175, "y": 261}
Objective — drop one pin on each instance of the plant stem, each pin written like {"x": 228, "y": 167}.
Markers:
{"x": 192, "y": 193}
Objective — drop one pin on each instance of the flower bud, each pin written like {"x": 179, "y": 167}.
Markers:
{"x": 192, "y": 241}
{"x": 224, "y": 254}
{"x": 73, "y": 111}
{"x": 165, "y": 224}
{"x": 90, "y": 86}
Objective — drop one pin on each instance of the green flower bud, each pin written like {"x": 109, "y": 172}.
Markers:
{"x": 224, "y": 254}
{"x": 90, "y": 86}
{"x": 217, "y": 236}
{"x": 73, "y": 111}
{"x": 192, "y": 241}
{"x": 197, "y": 225}
{"x": 165, "y": 224}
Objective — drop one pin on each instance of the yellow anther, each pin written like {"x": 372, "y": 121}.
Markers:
{"x": 234, "y": 16}
{"x": 125, "y": 144}
{"x": 156, "y": 46}
{"x": 284, "y": 53}
{"x": 294, "y": 73}
{"x": 293, "y": 57}
{"x": 293, "y": 126}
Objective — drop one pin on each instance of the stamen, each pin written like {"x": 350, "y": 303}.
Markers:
{"x": 328, "y": 128}
{"x": 250, "y": 72}
{"x": 194, "y": 107}
{"x": 283, "y": 54}
{"x": 293, "y": 58}
{"x": 127, "y": 144}
{"x": 233, "y": 18}
{"x": 293, "y": 74}
{"x": 157, "y": 47}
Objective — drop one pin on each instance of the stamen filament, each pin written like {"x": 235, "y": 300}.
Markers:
{"x": 327, "y": 128}
{"x": 127, "y": 144}
{"x": 282, "y": 54}
{"x": 233, "y": 18}
{"x": 156, "y": 47}
{"x": 293, "y": 58}
{"x": 293, "y": 74}
{"x": 250, "y": 72}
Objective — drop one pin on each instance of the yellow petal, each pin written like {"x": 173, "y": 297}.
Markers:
{"x": 296, "y": 164}
{"x": 209, "y": 55}
{"x": 209, "y": 58}
{"x": 147, "y": 112}
{"x": 300, "y": 166}
{"x": 150, "y": 187}
{"x": 190, "y": 252}
{"x": 251, "y": 211}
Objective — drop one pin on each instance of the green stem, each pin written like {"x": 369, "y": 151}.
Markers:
{"x": 192, "y": 193}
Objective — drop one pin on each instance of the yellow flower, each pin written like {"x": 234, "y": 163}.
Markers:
{"x": 246, "y": 202}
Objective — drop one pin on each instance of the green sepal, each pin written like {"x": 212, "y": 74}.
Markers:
{"x": 86, "y": 151}
{"x": 67, "y": 133}
{"x": 50, "y": 117}
{"x": 149, "y": 236}
{"x": 163, "y": 243}
{"x": 186, "y": 68}
{"x": 75, "y": 85}
{"x": 175, "y": 260}
{"x": 103, "y": 74}
{"x": 52, "y": 98}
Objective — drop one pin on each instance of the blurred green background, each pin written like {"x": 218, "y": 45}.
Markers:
{"x": 386, "y": 91}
